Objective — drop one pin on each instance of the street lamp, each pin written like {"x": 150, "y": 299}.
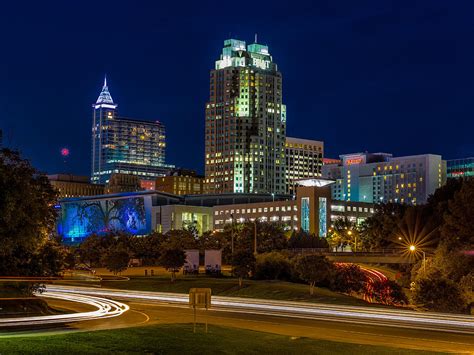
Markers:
{"x": 413, "y": 249}
{"x": 255, "y": 236}
{"x": 349, "y": 233}
{"x": 232, "y": 234}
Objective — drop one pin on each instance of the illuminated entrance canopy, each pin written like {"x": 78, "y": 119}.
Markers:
{"x": 314, "y": 182}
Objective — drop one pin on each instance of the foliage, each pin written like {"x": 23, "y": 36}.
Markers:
{"x": 273, "y": 266}
{"x": 386, "y": 291}
{"x": 116, "y": 259}
{"x": 172, "y": 258}
{"x": 343, "y": 233}
{"x": 457, "y": 230}
{"x": 300, "y": 239}
{"x": 243, "y": 264}
{"x": 439, "y": 294}
{"x": 94, "y": 247}
{"x": 147, "y": 249}
{"x": 27, "y": 220}
{"x": 379, "y": 230}
{"x": 27, "y": 214}
{"x": 180, "y": 238}
{"x": 313, "y": 269}
{"x": 347, "y": 278}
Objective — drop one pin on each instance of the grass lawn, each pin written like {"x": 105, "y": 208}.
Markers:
{"x": 276, "y": 290}
{"x": 179, "y": 339}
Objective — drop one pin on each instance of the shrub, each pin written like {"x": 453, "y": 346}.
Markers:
{"x": 439, "y": 294}
{"x": 273, "y": 266}
{"x": 347, "y": 278}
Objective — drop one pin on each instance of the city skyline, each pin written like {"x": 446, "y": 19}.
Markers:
{"x": 336, "y": 83}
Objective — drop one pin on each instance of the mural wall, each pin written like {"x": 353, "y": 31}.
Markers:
{"x": 79, "y": 219}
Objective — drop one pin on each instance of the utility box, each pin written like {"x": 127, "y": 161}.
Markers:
{"x": 191, "y": 265}
{"x": 213, "y": 261}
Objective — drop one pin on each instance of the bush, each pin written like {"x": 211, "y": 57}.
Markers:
{"x": 313, "y": 269}
{"x": 273, "y": 266}
{"x": 439, "y": 294}
{"x": 347, "y": 278}
{"x": 386, "y": 292}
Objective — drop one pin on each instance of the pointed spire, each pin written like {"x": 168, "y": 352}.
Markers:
{"x": 255, "y": 38}
{"x": 105, "y": 97}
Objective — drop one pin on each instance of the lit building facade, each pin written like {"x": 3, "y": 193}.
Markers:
{"x": 245, "y": 122}
{"x": 124, "y": 145}
{"x": 68, "y": 185}
{"x": 457, "y": 168}
{"x": 140, "y": 213}
{"x": 304, "y": 160}
{"x": 382, "y": 178}
{"x": 181, "y": 182}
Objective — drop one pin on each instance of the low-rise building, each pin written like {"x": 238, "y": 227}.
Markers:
{"x": 68, "y": 185}
{"x": 140, "y": 213}
{"x": 180, "y": 182}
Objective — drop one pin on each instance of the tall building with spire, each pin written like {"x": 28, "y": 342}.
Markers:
{"x": 123, "y": 145}
{"x": 245, "y": 122}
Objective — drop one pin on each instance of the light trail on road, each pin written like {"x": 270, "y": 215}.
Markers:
{"x": 348, "y": 314}
{"x": 106, "y": 308}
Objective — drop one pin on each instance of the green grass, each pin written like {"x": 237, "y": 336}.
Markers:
{"x": 276, "y": 290}
{"x": 179, "y": 339}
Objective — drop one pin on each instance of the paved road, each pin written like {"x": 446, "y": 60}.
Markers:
{"x": 338, "y": 323}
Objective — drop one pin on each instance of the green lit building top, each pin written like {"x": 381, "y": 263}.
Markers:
{"x": 245, "y": 122}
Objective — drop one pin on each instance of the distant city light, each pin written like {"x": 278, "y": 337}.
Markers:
{"x": 65, "y": 152}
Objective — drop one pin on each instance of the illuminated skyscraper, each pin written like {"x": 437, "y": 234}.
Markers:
{"x": 124, "y": 145}
{"x": 245, "y": 122}
{"x": 304, "y": 160}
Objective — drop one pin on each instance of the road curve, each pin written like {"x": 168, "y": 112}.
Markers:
{"x": 348, "y": 314}
{"x": 106, "y": 308}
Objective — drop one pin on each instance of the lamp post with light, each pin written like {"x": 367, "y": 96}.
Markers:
{"x": 412, "y": 248}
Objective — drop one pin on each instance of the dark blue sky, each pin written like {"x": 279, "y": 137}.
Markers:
{"x": 375, "y": 75}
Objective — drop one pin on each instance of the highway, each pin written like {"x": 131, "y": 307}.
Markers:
{"x": 103, "y": 308}
{"x": 335, "y": 313}
{"x": 358, "y": 325}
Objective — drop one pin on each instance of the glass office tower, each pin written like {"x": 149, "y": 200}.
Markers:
{"x": 245, "y": 122}
{"x": 124, "y": 145}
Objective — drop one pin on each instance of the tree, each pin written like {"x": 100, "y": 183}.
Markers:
{"x": 386, "y": 291}
{"x": 94, "y": 247}
{"x": 243, "y": 263}
{"x": 116, "y": 259}
{"x": 439, "y": 294}
{"x": 273, "y": 266}
{"x": 313, "y": 269}
{"x": 343, "y": 232}
{"x": 347, "y": 278}
{"x": 379, "y": 230}
{"x": 301, "y": 239}
{"x": 457, "y": 230}
{"x": 27, "y": 218}
{"x": 172, "y": 258}
{"x": 148, "y": 248}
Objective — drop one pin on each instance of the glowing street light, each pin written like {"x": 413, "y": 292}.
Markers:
{"x": 412, "y": 248}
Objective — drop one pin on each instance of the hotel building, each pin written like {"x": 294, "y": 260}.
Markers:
{"x": 245, "y": 126}
{"x": 304, "y": 160}
{"x": 124, "y": 145}
{"x": 380, "y": 177}
{"x": 457, "y": 168}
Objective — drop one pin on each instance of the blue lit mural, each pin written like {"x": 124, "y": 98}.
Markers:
{"x": 323, "y": 231}
{"x": 79, "y": 219}
{"x": 305, "y": 214}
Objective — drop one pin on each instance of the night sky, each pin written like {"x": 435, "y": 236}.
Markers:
{"x": 360, "y": 75}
